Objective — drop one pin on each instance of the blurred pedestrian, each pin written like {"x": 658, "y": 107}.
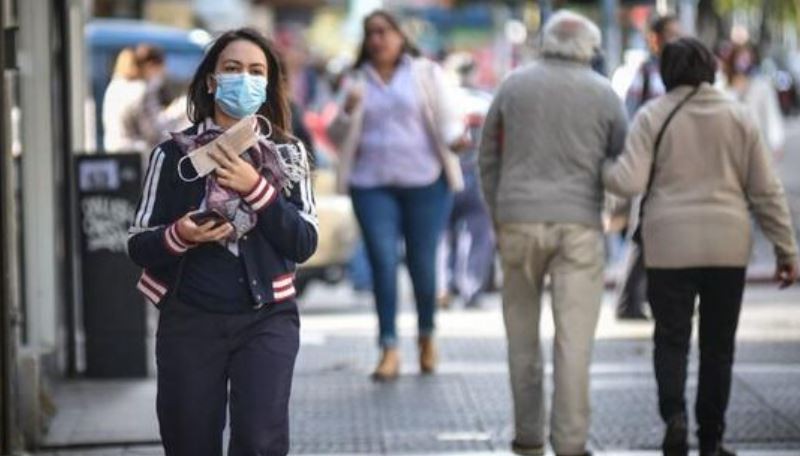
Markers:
{"x": 293, "y": 51}
{"x": 219, "y": 244}
{"x": 469, "y": 244}
{"x": 467, "y": 256}
{"x": 746, "y": 84}
{"x": 396, "y": 133}
{"x": 121, "y": 105}
{"x": 547, "y": 133}
{"x": 158, "y": 115}
{"x": 647, "y": 85}
{"x": 699, "y": 191}
{"x": 136, "y": 115}
{"x": 152, "y": 66}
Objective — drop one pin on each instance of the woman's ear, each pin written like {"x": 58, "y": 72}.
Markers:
{"x": 211, "y": 83}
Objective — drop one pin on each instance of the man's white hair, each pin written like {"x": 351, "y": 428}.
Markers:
{"x": 570, "y": 36}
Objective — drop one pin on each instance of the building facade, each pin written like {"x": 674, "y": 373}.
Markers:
{"x": 40, "y": 126}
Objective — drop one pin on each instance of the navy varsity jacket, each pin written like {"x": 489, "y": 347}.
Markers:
{"x": 263, "y": 273}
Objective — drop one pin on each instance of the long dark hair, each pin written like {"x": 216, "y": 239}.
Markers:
{"x": 408, "y": 47}
{"x": 200, "y": 103}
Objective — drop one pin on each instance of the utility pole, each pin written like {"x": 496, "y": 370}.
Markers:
{"x": 8, "y": 432}
{"x": 687, "y": 14}
{"x": 612, "y": 38}
{"x": 4, "y": 372}
{"x": 545, "y": 11}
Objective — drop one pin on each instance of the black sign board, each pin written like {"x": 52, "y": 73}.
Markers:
{"x": 9, "y": 47}
{"x": 113, "y": 310}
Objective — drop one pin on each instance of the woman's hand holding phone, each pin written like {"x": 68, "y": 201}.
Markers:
{"x": 209, "y": 231}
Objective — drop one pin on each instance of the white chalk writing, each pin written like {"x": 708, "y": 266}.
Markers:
{"x": 105, "y": 223}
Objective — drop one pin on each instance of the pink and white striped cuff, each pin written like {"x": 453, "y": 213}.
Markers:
{"x": 174, "y": 242}
{"x": 283, "y": 287}
{"x": 151, "y": 288}
{"x": 261, "y": 195}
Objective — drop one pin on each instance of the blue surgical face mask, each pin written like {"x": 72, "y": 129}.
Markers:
{"x": 240, "y": 94}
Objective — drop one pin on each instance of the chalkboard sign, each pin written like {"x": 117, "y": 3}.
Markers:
{"x": 113, "y": 311}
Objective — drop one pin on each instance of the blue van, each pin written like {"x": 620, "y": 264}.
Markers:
{"x": 106, "y": 37}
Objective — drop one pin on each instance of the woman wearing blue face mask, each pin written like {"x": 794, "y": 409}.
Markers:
{"x": 218, "y": 245}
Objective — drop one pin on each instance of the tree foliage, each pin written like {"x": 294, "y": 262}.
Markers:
{"x": 779, "y": 10}
{"x": 715, "y": 16}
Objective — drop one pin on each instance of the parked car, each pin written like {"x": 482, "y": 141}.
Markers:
{"x": 338, "y": 229}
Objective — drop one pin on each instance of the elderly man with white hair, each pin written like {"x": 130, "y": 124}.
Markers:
{"x": 547, "y": 133}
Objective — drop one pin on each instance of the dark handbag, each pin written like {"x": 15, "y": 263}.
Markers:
{"x": 637, "y": 234}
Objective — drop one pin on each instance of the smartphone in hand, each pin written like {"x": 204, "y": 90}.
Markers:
{"x": 201, "y": 218}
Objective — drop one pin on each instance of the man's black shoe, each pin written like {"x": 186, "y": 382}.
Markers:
{"x": 676, "y": 437}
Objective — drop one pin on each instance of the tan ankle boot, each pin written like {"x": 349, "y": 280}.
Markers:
{"x": 388, "y": 367}
{"x": 427, "y": 355}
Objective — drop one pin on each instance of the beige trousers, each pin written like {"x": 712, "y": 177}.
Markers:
{"x": 572, "y": 255}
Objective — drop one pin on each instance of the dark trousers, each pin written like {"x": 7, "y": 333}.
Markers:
{"x": 417, "y": 215}
{"x": 672, "y": 294}
{"x": 201, "y": 355}
{"x": 470, "y": 245}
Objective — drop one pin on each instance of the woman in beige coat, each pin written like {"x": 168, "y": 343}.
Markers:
{"x": 396, "y": 133}
{"x": 709, "y": 171}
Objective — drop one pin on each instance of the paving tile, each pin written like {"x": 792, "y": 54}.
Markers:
{"x": 466, "y": 407}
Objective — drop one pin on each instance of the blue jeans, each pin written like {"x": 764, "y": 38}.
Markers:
{"x": 358, "y": 268}
{"x": 418, "y": 215}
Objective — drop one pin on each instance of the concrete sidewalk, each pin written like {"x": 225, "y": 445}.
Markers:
{"x": 157, "y": 451}
{"x": 465, "y": 408}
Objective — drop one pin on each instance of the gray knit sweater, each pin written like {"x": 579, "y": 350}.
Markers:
{"x": 546, "y": 136}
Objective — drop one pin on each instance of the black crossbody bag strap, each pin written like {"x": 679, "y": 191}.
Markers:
{"x": 638, "y": 233}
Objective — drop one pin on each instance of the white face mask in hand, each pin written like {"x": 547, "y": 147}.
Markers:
{"x": 238, "y": 138}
